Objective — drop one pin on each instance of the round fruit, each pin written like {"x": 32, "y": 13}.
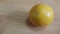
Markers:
{"x": 41, "y": 15}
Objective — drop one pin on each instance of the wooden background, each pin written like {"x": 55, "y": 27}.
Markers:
{"x": 18, "y": 10}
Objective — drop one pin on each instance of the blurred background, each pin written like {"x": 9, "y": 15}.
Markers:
{"x": 18, "y": 11}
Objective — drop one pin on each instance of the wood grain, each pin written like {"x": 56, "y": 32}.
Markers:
{"x": 18, "y": 11}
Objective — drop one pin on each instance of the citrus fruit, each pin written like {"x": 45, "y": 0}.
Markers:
{"x": 41, "y": 15}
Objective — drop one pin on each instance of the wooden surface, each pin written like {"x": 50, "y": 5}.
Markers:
{"x": 18, "y": 12}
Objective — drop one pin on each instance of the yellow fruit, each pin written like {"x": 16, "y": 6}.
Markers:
{"x": 41, "y": 15}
